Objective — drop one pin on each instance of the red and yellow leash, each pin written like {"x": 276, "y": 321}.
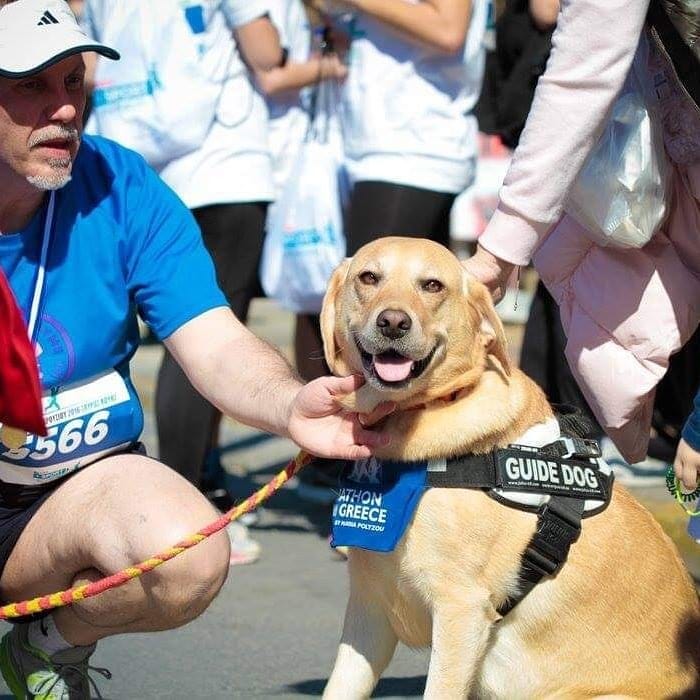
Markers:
{"x": 88, "y": 590}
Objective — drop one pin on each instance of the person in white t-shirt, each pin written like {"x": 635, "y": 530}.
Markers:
{"x": 415, "y": 70}
{"x": 415, "y": 74}
{"x": 227, "y": 183}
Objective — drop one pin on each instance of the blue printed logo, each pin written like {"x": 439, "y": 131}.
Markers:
{"x": 309, "y": 237}
{"x": 55, "y": 352}
{"x": 194, "y": 14}
{"x": 124, "y": 93}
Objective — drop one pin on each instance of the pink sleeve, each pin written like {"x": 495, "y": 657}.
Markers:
{"x": 592, "y": 50}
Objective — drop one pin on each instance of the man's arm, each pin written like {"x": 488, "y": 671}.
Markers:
{"x": 250, "y": 381}
{"x": 233, "y": 369}
{"x": 442, "y": 24}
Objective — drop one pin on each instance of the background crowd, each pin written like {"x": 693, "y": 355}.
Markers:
{"x": 424, "y": 98}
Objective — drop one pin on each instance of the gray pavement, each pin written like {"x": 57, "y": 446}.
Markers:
{"x": 273, "y": 630}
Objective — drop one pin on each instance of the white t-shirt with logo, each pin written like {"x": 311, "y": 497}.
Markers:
{"x": 233, "y": 164}
{"x": 407, "y": 107}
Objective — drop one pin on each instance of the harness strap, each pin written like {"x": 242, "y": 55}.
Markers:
{"x": 558, "y": 527}
{"x": 563, "y": 468}
{"x": 468, "y": 471}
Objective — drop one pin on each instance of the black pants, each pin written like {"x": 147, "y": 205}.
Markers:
{"x": 542, "y": 356}
{"x": 376, "y": 209}
{"x": 187, "y": 423}
{"x": 384, "y": 209}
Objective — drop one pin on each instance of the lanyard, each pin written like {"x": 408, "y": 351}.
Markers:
{"x": 41, "y": 273}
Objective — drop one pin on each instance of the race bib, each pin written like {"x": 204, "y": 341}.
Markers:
{"x": 85, "y": 420}
{"x": 376, "y": 502}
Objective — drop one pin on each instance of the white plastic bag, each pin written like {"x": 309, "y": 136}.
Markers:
{"x": 159, "y": 99}
{"x": 305, "y": 241}
{"x": 619, "y": 196}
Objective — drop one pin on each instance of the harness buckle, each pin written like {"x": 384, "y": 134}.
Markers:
{"x": 571, "y": 447}
{"x": 557, "y": 529}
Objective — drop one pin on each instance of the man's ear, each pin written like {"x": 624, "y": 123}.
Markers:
{"x": 330, "y": 347}
{"x": 491, "y": 326}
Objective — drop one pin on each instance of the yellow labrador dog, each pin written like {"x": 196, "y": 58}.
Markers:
{"x": 620, "y": 619}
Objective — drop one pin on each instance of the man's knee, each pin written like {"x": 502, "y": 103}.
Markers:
{"x": 185, "y": 589}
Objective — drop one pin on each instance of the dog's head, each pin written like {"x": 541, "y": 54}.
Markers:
{"x": 404, "y": 313}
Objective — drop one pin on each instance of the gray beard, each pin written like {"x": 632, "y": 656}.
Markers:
{"x": 51, "y": 182}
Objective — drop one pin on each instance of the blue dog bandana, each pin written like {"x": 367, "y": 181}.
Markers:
{"x": 376, "y": 502}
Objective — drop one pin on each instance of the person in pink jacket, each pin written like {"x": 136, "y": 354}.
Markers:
{"x": 624, "y": 311}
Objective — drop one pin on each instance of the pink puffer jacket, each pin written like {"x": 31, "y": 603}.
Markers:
{"x": 626, "y": 311}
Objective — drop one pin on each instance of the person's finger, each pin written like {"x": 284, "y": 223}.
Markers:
{"x": 371, "y": 438}
{"x": 678, "y": 468}
{"x": 690, "y": 473}
{"x": 355, "y": 452}
{"x": 339, "y": 386}
{"x": 381, "y": 411}
{"x": 688, "y": 476}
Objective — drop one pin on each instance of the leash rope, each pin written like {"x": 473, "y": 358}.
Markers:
{"x": 88, "y": 590}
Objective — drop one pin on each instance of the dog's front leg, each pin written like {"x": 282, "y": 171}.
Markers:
{"x": 366, "y": 647}
{"x": 461, "y": 628}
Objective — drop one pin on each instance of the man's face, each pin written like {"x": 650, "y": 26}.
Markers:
{"x": 40, "y": 125}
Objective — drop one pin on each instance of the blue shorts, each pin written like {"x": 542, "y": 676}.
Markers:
{"x": 19, "y": 504}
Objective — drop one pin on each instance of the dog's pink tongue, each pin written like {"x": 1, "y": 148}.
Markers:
{"x": 392, "y": 368}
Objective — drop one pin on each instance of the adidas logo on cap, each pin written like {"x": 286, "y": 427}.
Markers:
{"x": 47, "y": 18}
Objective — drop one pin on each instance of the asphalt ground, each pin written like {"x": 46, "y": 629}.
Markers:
{"x": 273, "y": 630}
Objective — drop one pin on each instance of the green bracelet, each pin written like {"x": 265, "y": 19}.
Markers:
{"x": 674, "y": 488}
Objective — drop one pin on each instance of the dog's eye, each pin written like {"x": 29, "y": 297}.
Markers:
{"x": 433, "y": 286}
{"x": 368, "y": 277}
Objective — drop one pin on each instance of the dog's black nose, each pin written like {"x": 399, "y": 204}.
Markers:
{"x": 394, "y": 323}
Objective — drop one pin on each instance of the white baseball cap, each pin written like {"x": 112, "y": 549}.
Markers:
{"x": 35, "y": 34}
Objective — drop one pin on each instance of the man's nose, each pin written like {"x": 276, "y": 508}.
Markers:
{"x": 393, "y": 323}
{"x": 65, "y": 112}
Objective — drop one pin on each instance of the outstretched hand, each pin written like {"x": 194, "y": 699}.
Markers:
{"x": 319, "y": 425}
{"x": 489, "y": 270}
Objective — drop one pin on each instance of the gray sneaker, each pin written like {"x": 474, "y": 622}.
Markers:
{"x": 32, "y": 674}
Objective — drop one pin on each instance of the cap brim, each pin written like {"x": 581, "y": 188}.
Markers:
{"x": 24, "y": 71}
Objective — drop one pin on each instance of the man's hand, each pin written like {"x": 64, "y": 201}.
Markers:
{"x": 319, "y": 425}
{"x": 687, "y": 465}
{"x": 489, "y": 270}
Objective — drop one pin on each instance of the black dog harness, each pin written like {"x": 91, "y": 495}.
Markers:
{"x": 562, "y": 482}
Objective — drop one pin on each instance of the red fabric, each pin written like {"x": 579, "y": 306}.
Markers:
{"x": 20, "y": 391}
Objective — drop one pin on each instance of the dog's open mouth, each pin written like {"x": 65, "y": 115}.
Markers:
{"x": 392, "y": 368}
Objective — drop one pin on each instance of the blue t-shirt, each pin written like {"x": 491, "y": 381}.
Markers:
{"x": 121, "y": 242}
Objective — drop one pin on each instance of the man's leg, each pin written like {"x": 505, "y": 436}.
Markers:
{"x": 111, "y": 515}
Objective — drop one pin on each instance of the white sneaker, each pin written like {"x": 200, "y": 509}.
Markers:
{"x": 244, "y": 549}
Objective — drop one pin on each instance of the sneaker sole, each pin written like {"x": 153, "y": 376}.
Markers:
{"x": 8, "y": 670}
{"x": 243, "y": 559}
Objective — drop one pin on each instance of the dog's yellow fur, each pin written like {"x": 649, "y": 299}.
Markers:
{"x": 621, "y": 619}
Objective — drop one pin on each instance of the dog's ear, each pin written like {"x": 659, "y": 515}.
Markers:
{"x": 491, "y": 326}
{"x": 330, "y": 347}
